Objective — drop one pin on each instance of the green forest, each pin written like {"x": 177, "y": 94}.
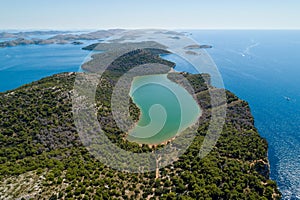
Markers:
{"x": 42, "y": 157}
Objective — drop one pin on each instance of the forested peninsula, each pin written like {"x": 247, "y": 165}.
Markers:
{"x": 42, "y": 156}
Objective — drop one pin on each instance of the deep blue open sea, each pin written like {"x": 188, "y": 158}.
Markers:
{"x": 261, "y": 67}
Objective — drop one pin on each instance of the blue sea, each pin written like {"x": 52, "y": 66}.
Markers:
{"x": 261, "y": 67}
{"x": 24, "y": 64}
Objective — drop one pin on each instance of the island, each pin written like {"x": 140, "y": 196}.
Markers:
{"x": 29, "y": 33}
{"x": 59, "y": 38}
{"x": 204, "y": 46}
{"x": 42, "y": 156}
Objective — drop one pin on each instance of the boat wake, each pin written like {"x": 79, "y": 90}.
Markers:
{"x": 247, "y": 51}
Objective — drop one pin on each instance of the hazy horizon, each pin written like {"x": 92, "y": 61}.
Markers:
{"x": 134, "y": 14}
{"x": 97, "y": 29}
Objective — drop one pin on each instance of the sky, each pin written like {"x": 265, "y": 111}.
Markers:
{"x": 132, "y": 14}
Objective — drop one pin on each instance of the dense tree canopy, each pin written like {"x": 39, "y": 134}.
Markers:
{"x": 39, "y": 142}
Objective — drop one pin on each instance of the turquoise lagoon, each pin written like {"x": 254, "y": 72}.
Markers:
{"x": 166, "y": 109}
